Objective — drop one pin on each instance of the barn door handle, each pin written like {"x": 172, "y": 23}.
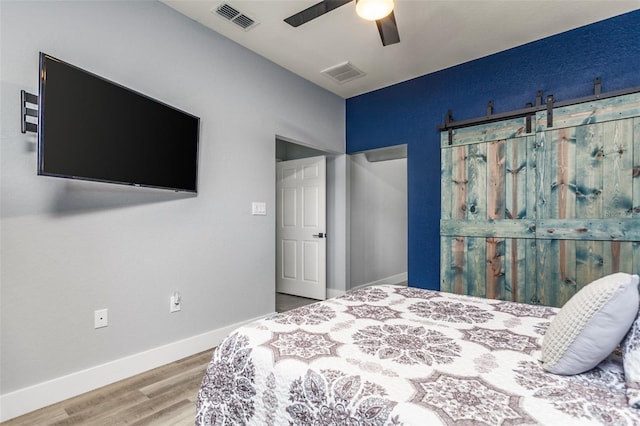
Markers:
{"x": 320, "y": 235}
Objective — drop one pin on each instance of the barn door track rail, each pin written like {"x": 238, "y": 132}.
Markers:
{"x": 530, "y": 109}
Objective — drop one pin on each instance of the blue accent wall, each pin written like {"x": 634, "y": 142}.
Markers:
{"x": 564, "y": 65}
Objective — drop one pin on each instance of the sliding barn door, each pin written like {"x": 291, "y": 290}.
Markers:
{"x": 488, "y": 212}
{"x": 534, "y": 217}
{"x": 588, "y": 195}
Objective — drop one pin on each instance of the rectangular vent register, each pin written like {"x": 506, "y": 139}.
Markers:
{"x": 233, "y": 15}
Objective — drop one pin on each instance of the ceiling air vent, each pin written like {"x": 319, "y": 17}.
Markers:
{"x": 343, "y": 72}
{"x": 231, "y": 14}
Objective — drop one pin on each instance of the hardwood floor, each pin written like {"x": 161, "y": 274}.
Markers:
{"x": 165, "y": 396}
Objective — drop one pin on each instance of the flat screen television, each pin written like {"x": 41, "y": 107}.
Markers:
{"x": 93, "y": 129}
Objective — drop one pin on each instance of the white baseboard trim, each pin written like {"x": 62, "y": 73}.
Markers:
{"x": 43, "y": 394}
{"x": 394, "y": 279}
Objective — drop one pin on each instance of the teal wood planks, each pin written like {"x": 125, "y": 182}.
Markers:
{"x": 535, "y": 217}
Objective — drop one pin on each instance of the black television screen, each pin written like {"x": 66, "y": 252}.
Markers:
{"x": 93, "y": 129}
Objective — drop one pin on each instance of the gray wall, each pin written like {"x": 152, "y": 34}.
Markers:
{"x": 378, "y": 225}
{"x": 69, "y": 247}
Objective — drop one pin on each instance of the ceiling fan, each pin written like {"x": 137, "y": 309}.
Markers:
{"x": 386, "y": 23}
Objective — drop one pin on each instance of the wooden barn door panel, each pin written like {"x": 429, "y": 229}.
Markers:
{"x": 586, "y": 260}
{"x": 587, "y": 171}
{"x": 485, "y": 227}
{"x": 586, "y": 196}
{"x": 555, "y": 180}
{"x": 535, "y": 217}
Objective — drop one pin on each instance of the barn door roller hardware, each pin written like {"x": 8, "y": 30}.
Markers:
{"x": 528, "y": 117}
{"x": 549, "y": 111}
{"x": 530, "y": 110}
{"x": 27, "y": 99}
{"x": 447, "y": 121}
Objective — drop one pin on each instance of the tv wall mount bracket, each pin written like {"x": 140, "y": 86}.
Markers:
{"x": 28, "y": 112}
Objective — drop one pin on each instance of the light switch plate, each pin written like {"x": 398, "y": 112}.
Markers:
{"x": 258, "y": 208}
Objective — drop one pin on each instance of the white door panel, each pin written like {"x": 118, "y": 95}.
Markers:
{"x": 301, "y": 228}
{"x": 289, "y": 270}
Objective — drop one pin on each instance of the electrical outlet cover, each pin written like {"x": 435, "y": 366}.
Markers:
{"x": 101, "y": 318}
{"x": 174, "y": 307}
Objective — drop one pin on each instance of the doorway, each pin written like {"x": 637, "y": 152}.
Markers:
{"x": 295, "y": 275}
{"x": 378, "y": 217}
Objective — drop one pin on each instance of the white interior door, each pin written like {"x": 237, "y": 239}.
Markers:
{"x": 301, "y": 228}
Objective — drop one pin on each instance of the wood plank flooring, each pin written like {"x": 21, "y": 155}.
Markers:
{"x": 165, "y": 396}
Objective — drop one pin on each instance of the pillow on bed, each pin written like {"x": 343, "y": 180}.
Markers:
{"x": 631, "y": 363}
{"x": 591, "y": 324}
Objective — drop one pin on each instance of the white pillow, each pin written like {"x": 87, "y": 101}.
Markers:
{"x": 591, "y": 324}
{"x": 631, "y": 363}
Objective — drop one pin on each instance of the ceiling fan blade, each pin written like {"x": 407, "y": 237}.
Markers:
{"x": 388, "y": 30}
{"x": 314, "y": 11}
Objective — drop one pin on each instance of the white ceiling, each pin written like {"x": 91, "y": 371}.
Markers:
{"x": 434, "y": 34}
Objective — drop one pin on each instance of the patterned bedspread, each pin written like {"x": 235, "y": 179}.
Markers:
{"x": 395, "y": 355}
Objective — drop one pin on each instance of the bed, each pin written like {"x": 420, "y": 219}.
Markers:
{"x": 391, "y": 355}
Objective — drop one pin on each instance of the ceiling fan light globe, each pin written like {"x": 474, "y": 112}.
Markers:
{"x": 372, "y": 10}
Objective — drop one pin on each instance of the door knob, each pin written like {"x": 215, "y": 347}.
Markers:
{"x": 320, "y": 235}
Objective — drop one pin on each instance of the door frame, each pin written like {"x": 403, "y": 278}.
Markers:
{"x": 337, "y": 209}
